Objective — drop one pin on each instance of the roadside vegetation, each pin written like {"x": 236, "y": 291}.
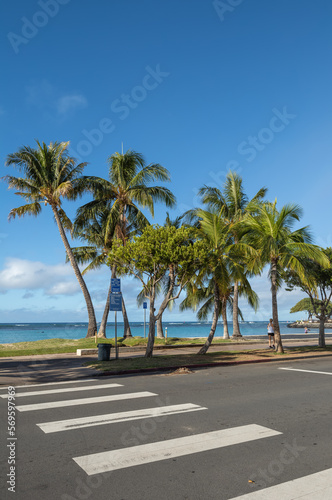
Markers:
{"x": 213, "y": 358}
{"x": 211, "y": 257}
{"x": 61, "y": 346}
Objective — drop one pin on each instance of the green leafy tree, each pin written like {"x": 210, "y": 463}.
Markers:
{"x": 164, "y": 283}
{"x": 236, "y": 206}
{"x": 159, "y": 252}
{"x": 50, "y": 175}
{"x": 302, "y": 305}
{"x": 280, "y": 247}
{"x": 316, "y": 282}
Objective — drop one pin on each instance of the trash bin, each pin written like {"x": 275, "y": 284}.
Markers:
{"x": 104, "y": 351}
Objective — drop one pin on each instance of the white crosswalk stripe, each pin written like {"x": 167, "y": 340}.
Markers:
{"x": 61, "y": 391}
{"x": 305, "y": 371}
{"x": 313, "y": 487}
{"x": 84, "y": 401}
{"x": 75, "y": 381}
{"x": 97, "y": 463}
{"x": 111, "y": 418}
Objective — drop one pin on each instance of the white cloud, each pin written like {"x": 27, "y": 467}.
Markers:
{"x": 45, "y": 97}
{"x": 27, "y": 275}
{"x": 69, "y": 103}
{"x": 64, "y": 288}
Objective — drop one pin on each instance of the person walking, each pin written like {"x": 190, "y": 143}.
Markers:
{"x": 270, "y": 332}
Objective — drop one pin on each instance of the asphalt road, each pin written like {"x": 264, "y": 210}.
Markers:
{"x": 258, "y": 423}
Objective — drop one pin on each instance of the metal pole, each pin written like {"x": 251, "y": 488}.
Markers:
{"x": 116, "y": 338}
{"x": 144, "y": 321}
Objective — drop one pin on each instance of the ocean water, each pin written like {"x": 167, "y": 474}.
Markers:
{"x": 23, "y": 332}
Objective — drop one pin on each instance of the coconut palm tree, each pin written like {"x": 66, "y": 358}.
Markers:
{"x": 126, "y": 193}
{"x": 93, "y": 232}
{"x": 130, "y": 189}
{"x": 224, "y": 258}
{"x": 50, "y": 175}
{"x": 203, "y": 298}
{"x": 271, "y": 232}
{"x": 236, "y": 205}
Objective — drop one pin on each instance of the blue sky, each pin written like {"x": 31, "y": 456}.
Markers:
{"x": 197, "y": 86}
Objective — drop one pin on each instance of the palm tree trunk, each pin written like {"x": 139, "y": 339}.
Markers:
{"x": 277, "y": 337}
{"x": 236, "y": 326}
{"x": 92, "y": 326}
{"x": 160, "y": 331}
{"x": 152, "y": 326}
{"x": 321, "y": 337}
{"x": 224, "y": 317}
{"x": 103, "y": 324}
{"x": 126, "y": 326}
{"x": 214, "y": 321}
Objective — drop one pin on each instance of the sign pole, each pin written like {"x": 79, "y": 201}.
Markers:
{"x": 116, "y": 305}
{"x": 116, "y": 337}
{"x": 144, "y": 321}
{"x": 145, "y": 305}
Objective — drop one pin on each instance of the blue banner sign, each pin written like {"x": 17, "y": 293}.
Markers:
{"x": 145, "y": 305}
{"x": 116, "y": 302}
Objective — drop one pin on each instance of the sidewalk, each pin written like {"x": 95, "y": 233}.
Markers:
{"x": 25, "y": 370}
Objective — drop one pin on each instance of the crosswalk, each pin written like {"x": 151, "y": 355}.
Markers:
{"x": 310, "y": 487}
{"x": 112, "y": 418}
{"x": 313, "y": 487}
{"x": 163, "y": 450}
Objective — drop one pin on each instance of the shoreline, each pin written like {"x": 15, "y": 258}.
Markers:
{"x": 308, "y": 324}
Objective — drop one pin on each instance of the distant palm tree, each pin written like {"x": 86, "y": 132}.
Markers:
{"x": 236, "y": 206}
{"x": 224, "y": 258}
{"x": 130, "y": 189}
{"x": 202, "y": 298}
{"x": 50, "y": 175}
{"x": 271, "y": 232}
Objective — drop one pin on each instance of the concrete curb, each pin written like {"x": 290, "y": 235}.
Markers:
{"x": 205, "y": 365}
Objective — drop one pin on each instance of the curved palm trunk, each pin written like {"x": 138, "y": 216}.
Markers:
{"x": 224, "y": 317}
{"x": 160, "y": 330}
{"x": 92, "y": 326}
{"x": 214, "y": 321}
{"x": 152, "y": 327}
{"x": 126, "y": 326}
{"x": 321, "y": 337}
{"x": 277, "y": 337}
{"x": 103, "y": 324}
{"x": 236, "y": 326}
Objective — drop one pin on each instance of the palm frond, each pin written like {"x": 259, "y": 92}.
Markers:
{"x": 29, "y": 209}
